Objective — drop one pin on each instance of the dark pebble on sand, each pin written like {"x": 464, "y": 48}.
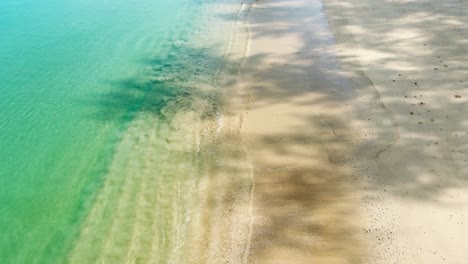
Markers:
{"x": 457, "y": 96}
{"x": 411, "y": 113}
{"x": 415, "y": 83}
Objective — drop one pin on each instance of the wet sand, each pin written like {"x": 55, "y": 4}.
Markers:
{"x": 299, "y": 140}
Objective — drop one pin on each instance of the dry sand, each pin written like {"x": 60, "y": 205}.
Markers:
{"x": 355, "y": 134}
{"x": 413, "y": 152}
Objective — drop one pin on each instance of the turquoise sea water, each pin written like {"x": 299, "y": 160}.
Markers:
{"x": 63, "y": 67}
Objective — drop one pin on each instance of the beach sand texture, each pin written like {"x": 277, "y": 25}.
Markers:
{"x": 299, "y": 139}
{"x": 355, "y": 133}
{"x": 409, "y": 55}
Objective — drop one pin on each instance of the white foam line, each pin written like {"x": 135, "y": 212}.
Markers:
{"x": 220, "y": 122}
{"x": 198, "y": 140}
{"x": 244, "y": 11}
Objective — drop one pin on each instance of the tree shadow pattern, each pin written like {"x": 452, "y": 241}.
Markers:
{"x": 416, "y": 129}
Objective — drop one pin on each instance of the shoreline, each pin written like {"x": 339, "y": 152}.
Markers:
{"x": 156, "y": 204}
{"x": 309, "y": 143}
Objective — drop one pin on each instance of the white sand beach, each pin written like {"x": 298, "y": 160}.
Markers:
{"x": 355, "y": 131}
{"x": 409, "y": 56}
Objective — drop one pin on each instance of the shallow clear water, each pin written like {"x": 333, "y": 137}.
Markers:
{"x": 81, "y": 83}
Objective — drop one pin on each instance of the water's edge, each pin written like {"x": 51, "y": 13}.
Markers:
{"x": 156, "y": 202}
